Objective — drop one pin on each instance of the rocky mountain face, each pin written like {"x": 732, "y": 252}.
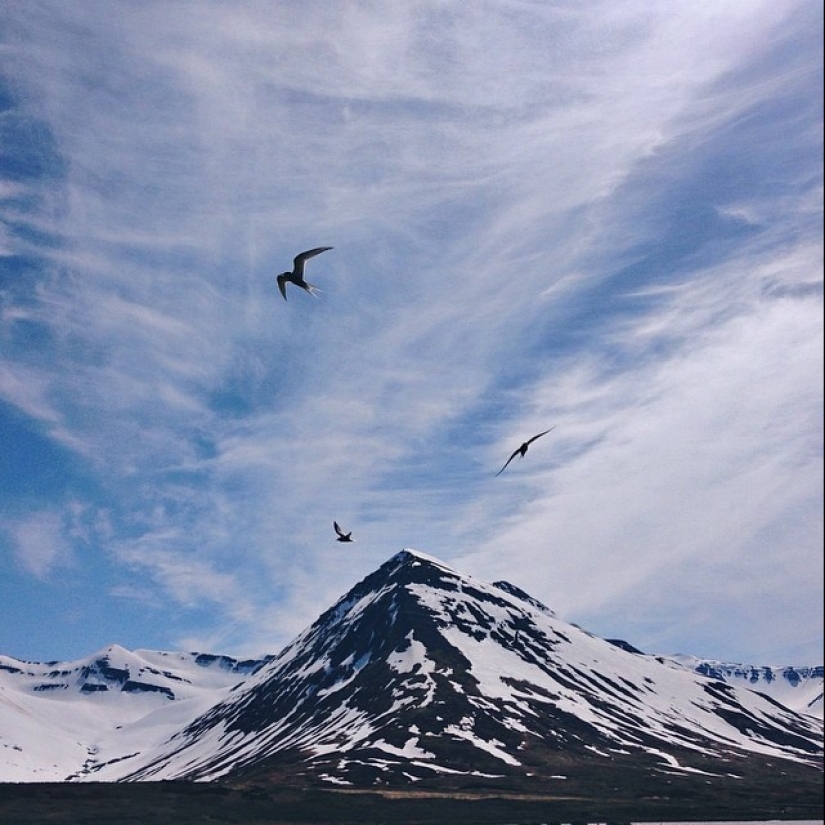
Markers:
{"x": 118, "y": 670}
{"x": 421, "y": 674}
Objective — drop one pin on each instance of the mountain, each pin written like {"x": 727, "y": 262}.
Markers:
{"x": 422, "y": 675}
{"x": 798, "y": 688}
{"x": 58, "y": 720}
{"x": 419, "y": 676}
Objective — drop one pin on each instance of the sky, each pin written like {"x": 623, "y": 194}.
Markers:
{"x": 601, "y": 217}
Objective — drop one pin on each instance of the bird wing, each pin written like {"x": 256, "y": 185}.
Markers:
{"x": 282, "y": 279}
{"x": 523, "y": 447}
{"x": 337, "y": 528}
{"x": 515, "y": 453}
{"x": 531, "y": 440}
{"x": 299, "y": 260}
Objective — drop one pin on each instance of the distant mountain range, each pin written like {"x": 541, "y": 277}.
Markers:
{"x": 799, "y": 688}
{"x": 418, "y": 676}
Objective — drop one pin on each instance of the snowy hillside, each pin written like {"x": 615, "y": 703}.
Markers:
{"x": 59, "y": 719}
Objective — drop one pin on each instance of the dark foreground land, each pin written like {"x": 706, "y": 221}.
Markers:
{"x": 182, "y": 803}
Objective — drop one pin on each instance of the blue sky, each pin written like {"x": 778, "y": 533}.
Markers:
{"x": 603, "y": 217}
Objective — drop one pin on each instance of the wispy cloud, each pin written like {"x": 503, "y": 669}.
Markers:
{"x": 42, "y": 542}
{"x": 604, "y": 218}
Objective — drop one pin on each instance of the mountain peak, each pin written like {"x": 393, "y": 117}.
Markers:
{"x": 408, "y": 557}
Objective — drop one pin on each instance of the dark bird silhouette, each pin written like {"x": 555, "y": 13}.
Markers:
{"x": 342, "y": 536}
{"x": 297, "y": 274}
{"x": 523, "y": 449}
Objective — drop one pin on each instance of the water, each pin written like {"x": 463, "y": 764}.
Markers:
{"x": 725, "y": 822}
{"x": 736, "y": 822}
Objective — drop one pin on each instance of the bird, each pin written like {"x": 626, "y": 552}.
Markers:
{"x": 342, "y": 536}
{"x": 523, "y": 449}
{"x": 297, "y": 274}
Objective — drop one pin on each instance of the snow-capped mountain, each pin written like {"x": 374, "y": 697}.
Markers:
{"x": 799, "y": 688}
{"x": 422, "y": 674}
{"x": 60, "y": 719}
{"x": 418, "y": 674}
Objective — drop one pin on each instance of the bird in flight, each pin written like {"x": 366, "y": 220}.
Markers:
{"x": 342, "y": 536}
{"x": 297, "y": 274}
{"x": 523, "y": 449}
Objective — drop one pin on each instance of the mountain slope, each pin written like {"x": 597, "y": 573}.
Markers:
{"x": 60, "y": 719}
{"x": 422, "y": 674}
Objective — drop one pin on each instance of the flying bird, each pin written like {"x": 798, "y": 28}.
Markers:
{"x": 342, "y": 536}
{"x": 297, "y": 274}
{"x": 523, "y": 449}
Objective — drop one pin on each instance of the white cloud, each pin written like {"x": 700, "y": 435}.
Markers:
{"x": 508, "y": 190}
{"x": 708, "y": 459}
{"x": 40, "y": 544}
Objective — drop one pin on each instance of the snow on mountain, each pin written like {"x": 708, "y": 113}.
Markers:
{"x": 797, "y": 687}
{"x": 60, "y": 719}
{"x": 418, "y": 673}
{"x": 421, "y": 672}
